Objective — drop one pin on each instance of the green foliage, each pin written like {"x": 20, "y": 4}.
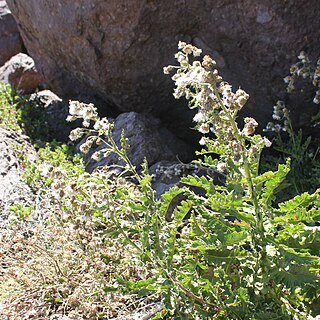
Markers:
{"x": 9, "y": 114}
{"x": 20, "y": 210}
{"x": 53, "y": 157}
{"x": 304, "y": 173}
{"x": 229, "y": 251}
{"x": 234, "y": 250}
{"x": 23, "y": 114}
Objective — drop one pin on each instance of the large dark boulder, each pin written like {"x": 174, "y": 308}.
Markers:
{"x": 10, "y": 40}
{"x": 115, "y": 49}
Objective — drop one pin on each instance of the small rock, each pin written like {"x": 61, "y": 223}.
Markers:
{"x": 147, "y": 139}
{"x": 167, "y": 174}
{"x": 20, "y": 72}
{"x": 162, "y": 182}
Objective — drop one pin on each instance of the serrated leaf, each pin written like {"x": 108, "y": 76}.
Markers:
{"x": 217, "y": 256}
{"x": 168, "y": 196}
{"x": 142, "y": 287}
{"x": 272, "y": 184}
{"x": 302, "y": 200}
{"x": 229, "y": 205}
{"x": 236, "y": 238}
{"x": 297, "y": 215}
{"x": 182, "y": 211}
{"x": 302, "y": 258}
{"x": 196, "y": 227}
{"x": 295, "y": 275}
{"x": 208, "y": 184}
{"x": 263, "y": 178}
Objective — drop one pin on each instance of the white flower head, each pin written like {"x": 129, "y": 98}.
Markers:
{"x": 86, "y": 123}
{"x": 196, "y": 52}
{"x": 180, "y": 57}
{"x": 250, "y": 125}
{"x": 199, "y": 117}
{"x": 75, "y": 108}
{"x": 187, "y": 49}
{"x": 204, "y": 128}
{"x": 76, "y": 134}
{"x": 267, "y": 142}
{"x": 167, "y": 69}
{"x": 181, "y": 45}
{"x": 96, "y": 156}
{"x": 203, "y": 141}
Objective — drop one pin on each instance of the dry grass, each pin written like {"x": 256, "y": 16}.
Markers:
{"x": 64, "y": 268}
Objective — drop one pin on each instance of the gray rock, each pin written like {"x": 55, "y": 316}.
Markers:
{"x": 56, "y": 111}
{"x": 20, "y": 72}
{"x": 10, "y": 40}
{"x": 167, "y": 174}
{"x": 13, "y": 146}
{"x": 147, "y": 139}
{"x": 116, "y": 49}
{"x": 163, "y": 181}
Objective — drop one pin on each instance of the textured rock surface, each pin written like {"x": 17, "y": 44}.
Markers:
{"x": 21, "y": 73}
{"x": 116, "y": 49}
{"x": 146, "y": 138}
{"x": 10, "y": 40}
{"x": 56, "y": 112}
{"x": 167, "y": 174}
{"x": 12, "y": 189}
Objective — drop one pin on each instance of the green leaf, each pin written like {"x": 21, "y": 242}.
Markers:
{"x": 298, "y": 215}
{"x": 203, "y": 182}
{"x": 110, "y": 289}
{"x": 302, "y": 258}
{"x": 295, "y": 275}
{"x": 182, "y": 211}
{"x": 303, "y": 200}
{"x": 142, "y": 287}
{"x": 272, "y": 183}
{"x": 236, "y": 238}
{"x": 230, "y": 205}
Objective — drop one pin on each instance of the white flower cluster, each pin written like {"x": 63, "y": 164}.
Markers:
{"x": 281, "y": 115}
{"x": 303, "y": 68}
{"x": 217, "y": 106}
{"x": 249, "y": 126}
{"x": 87, "y": 145}
{"x": 79, "y": 110}
{"x": 201, "y": 83}
{"x": 234, "y": 101}
{"x": 101, "y": 126}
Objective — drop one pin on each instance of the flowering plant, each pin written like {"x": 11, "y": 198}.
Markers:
{"x": 288, "y": 142}
{"x": 229, "y": 251}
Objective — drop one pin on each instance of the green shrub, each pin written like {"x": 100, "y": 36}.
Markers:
{"x": 240, "y": 255}
{"x": 21, "y": 113}
{"x": 105, "y": 246}
{"x": 9, "y": 114}
{"x": 303, "y": 151}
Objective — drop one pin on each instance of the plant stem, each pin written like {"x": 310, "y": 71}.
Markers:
{"x": 120, "y": 228}
{"x": 191, "y": 295}
{"x": 247, "y": 173}
{"x": 112, "y": 144}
